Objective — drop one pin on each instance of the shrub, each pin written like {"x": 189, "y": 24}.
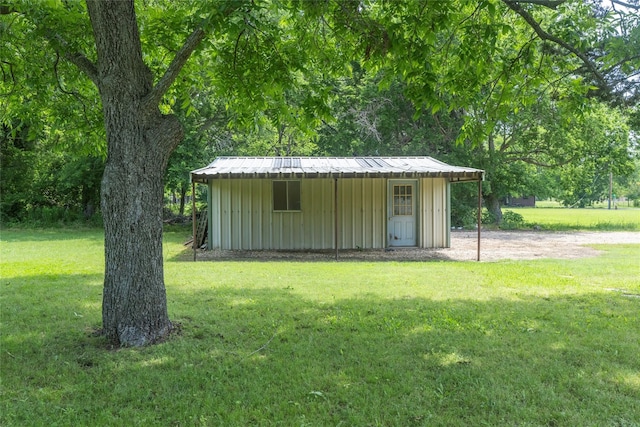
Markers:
{"x": 464, "y": 218}
{"x": 488, "y": 217}
{"x": 512, "y": 220}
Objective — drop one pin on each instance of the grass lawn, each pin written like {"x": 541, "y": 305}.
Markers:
{"x": 527, "y": 343}
{"x": 581, "y": 218}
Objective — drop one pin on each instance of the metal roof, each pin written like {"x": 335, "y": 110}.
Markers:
{"x": 333, "y": 167}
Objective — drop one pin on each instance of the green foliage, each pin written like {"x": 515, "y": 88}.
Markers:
{"x": 630, "y": 187}
{"x": 374, "y": 120}
{"x": 51, "y": 134}
{"x": 40, "y": 90}
{"x": 512, "y": 221}
{"x": 530, "y": 342}
{"x": 41, "y": 184}
{"x": 605, "y": 148}
{"x": 464, "y": 206}
{"x": 549, "y": 149}
{"x": 488, "y": 217}
{"x": 17, "y": 157}
{"x": 387, "y": 78}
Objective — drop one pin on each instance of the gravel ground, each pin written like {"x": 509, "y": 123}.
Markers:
{"x": 495, "y": 245}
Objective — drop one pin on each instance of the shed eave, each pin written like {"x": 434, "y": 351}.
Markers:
{"x": 333, "y": 167}
{"x": 453, "y": 177}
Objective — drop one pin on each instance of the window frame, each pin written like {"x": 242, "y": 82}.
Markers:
{"x": 287, "y": 198}
{"x": 402, "y": 201}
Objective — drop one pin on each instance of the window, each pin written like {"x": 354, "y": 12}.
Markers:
{"x": 286, "y": 195}
{"x": 402, "y": 199}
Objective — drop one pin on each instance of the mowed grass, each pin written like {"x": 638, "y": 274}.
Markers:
{"x": 529, "y": 343}
{"x": 627, "y": 219}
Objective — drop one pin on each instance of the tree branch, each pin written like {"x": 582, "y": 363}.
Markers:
{"x": 63, "y": 90}
{"x": 622, "y": 61}
{"x": 625, "y": 4}
{"x": 515, "y": 6}
{"x": 84, "y": 64}
{"x": 5, "y": 77}
{"x": 518, "y": 156}
{"x": 76, "y": 58}
{"x": 551, "y": 4}
{"x": 333, "y": 129}
{"x": 158, "y": 91}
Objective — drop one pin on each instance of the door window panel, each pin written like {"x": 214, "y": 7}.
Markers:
{"x": 402, "y": 199}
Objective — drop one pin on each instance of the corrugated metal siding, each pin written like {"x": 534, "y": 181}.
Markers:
{"x": 317, "y": 209}
{"x": 362, "y": 207}
{"x": 242, "y": 217}
{"x": 434, "y": 213}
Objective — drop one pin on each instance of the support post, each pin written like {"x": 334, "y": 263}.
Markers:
{"x": 335, "y": 215}
{"x": 479, "y": 214}
{"x": 193, "y": 218}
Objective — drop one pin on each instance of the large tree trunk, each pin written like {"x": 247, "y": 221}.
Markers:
{"x": 491, "y": 201}
{"x": 493, "y": 206}
{"x": 139, "y": 141}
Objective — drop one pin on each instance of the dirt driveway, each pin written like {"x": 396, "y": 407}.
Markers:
{"x": 497, "y": 245}
{"x": 494, "y": 246}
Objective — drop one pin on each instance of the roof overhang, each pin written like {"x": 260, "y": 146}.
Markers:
{"x": 333, "y": 167}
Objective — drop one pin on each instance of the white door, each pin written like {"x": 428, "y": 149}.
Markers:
{"x": 401, "y": 228}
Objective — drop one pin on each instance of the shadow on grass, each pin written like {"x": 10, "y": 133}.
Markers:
{"x": 310, "y": 256}
{"x": 270, "y": 356}
{"x": 50, "y": 234}
{"x": 26, "y": 234}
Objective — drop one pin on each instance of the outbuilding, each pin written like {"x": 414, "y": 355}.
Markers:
{"x": 320, "y": 203}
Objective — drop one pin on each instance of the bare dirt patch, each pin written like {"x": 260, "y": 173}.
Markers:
{"x": 494, "y": 246}
{"x": 498, "y": 245}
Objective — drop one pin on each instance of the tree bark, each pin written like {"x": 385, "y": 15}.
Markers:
{"x": 491, "y": 200}
{"x": 493, "y": 206}
{"x": 139, "y": 141}
{"x": 183, "y": 198}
